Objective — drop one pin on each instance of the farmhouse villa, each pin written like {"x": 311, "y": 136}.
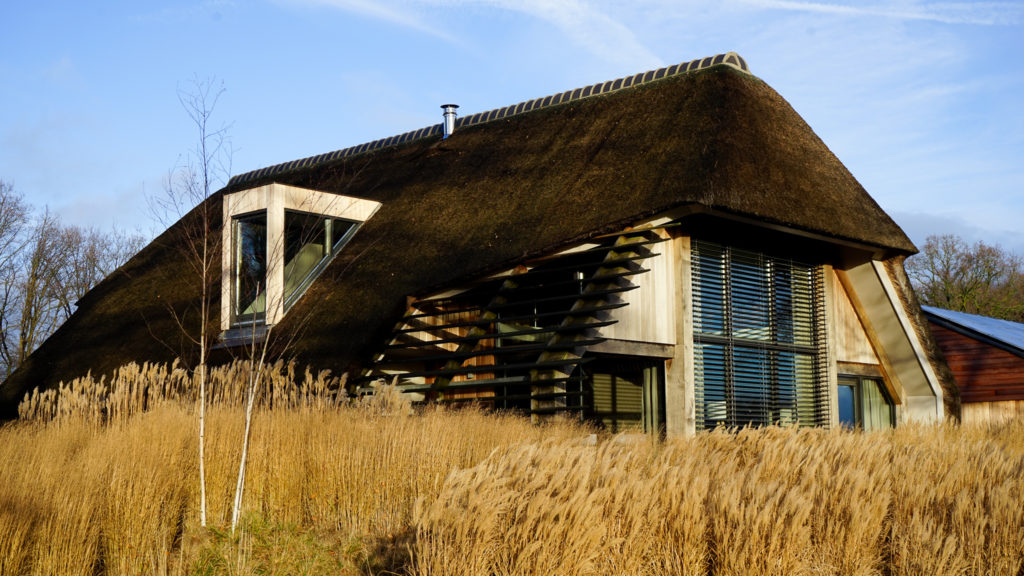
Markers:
{"x": 671, "y": 251}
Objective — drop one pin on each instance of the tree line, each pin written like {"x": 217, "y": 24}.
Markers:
{"x": 46, "y": 266}
{"x": 978, "y": 278}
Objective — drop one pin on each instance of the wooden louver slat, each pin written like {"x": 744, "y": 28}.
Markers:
{"x": 529, "y": 328}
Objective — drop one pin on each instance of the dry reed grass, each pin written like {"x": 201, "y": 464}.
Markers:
{"x": 134, "y": 389}
{"x": 915, "y": 501}
{"x": 94, "y": 500}
{"x": 97, "y": 484}
{"x": 104, "y": 482}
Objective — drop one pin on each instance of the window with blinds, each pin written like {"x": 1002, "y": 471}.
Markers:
{"x": 759, "y": 349}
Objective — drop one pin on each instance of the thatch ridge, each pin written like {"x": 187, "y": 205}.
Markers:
{"x": 727, "y": 59}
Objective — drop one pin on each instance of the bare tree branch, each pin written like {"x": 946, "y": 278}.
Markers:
{"x": 977, "y": 279}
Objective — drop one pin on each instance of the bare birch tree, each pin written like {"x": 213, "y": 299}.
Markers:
{"x": 189, "y": 188}
{"x": 315, "y": 237}
{"x": 257, "y": 365}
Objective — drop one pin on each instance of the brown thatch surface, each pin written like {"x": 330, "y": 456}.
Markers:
{"x": 496, "y": 192}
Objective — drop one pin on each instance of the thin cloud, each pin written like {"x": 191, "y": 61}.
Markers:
{"x": 180, "y": 13}
{"x": 62, "y": 71}
{"x": 978, "y": 13}
{"x": 587, "y": 26}
{"x": 381, "y": 11}
{"x": 582, "y": 22}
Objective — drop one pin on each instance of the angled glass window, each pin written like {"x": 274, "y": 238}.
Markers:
{"x": 310, "y": 240}
{"x": 758, "y": 324}
{"x": 250, "y": 266}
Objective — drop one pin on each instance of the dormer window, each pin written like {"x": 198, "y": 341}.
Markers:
{"x": 280, "y": 238}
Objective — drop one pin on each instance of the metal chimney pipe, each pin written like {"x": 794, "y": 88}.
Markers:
{"x": 449, "y": 118}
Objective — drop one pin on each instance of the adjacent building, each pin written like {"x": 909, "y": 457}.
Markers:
{"x": 986, "y": 357}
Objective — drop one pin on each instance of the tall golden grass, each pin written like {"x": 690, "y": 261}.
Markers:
{"x": 135, "y": 388}
{"x": 921, "y": 500}
{"x": 105, "y": 481}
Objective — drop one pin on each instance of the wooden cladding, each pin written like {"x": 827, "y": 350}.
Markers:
{"x": 983, "y": 412}
{"x": 983, "y": 372}
{"x": 851, "y": 341}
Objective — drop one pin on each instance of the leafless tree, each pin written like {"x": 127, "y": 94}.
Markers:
{"x": 41, "y": 310}
{"x": 974, "y": 278}
{"x": 91, "y": 255}
{"x": 45, "y": 268}
{"x": 14, "y": 219}
{"x": 257, "y": 367}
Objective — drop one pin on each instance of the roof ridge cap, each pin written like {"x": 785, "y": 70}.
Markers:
{"x": 727, "y": 59}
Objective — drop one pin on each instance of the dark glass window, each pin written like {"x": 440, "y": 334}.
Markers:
{"x": 626, "y": 394}
{"x": 309, "y": 242}
{"x": 758, "y": 338}
{"x": 864, "y": 403}
{"x": 847, "y": 393}
{"x": 250, "y": 239}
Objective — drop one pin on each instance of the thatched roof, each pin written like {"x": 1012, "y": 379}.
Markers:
{"x": 504, "y": 186}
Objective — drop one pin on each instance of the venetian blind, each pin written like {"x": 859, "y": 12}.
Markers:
{"x": 759, "y": 349}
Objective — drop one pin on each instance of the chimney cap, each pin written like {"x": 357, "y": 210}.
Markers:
{"x": 449, "y": 118}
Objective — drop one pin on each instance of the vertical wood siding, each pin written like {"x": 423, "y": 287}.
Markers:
{"x": 850, "y": 339}
{"x": 983, "y": 372}
{"x": 650, "y": 315}
{"x": 981, "y": 412}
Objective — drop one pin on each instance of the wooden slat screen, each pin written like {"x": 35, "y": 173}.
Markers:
{"x": 519, "y": 340}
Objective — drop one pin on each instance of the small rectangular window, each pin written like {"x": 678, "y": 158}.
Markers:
{"x": 848, "y": 405}
{"x": 626, "y": 394}
{"x": 864, "y": 403}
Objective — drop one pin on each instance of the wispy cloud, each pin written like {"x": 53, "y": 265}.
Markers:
{"x": 583, "y": 22}
{"x": 62, "y": 72}
{"x": 587, "y": 26}
{"x": 978, "y": 13}
{"x": 184, "y": 12}
{"x": 400, "y": 16}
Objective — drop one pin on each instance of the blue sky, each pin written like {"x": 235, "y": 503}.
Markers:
{"x": 923, "y": 101}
